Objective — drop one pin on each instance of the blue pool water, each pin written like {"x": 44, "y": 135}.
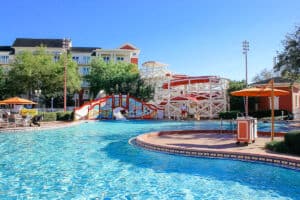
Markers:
{"x": 94, "y": 161}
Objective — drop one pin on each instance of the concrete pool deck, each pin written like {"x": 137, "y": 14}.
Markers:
{"x": 44, "y": 126}
{"x": 215, "y": 145}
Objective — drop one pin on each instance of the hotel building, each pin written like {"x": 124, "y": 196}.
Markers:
{"x": 81, "y": 55}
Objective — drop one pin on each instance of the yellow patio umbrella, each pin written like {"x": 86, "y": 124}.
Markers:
{"x": 263, "y": 92}
{"x": 17, "y": 100}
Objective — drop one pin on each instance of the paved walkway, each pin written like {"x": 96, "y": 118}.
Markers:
{"x": 44, "y": 126}
{"x": 212, "y": 144}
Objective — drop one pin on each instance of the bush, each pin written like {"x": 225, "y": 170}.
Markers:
{"x": 49, "y": 116}
{"x": 278, "y": 146}
{"x": 64, "y": 116}
{"x": 267, "y": 113}
{"x": 292, "y": 141}
{"x": 228, "y": 115}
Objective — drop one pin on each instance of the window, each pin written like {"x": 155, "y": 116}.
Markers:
{"x": 85, "y": 83}
{"x": 85, "y": 70}
{"x": 76, "y": 59}
{"x": 106, "y": 58}
{"x": 86, "y": 59}
{"x": 86, "y": 94}
{"x": 4, "y": 59}
{"x": 56, "y": 58}
{"x": 120, "y": 58}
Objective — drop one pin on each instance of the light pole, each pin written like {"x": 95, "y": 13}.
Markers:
{"x": 52, "y": 98}
{"x": 65, "y": 49}
{"x": 245, "y": 50}
{"x": 76, "y": 97}
{"x": 38, "y": 94}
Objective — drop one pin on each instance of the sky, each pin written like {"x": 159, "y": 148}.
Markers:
{"x": 195, "y": 37}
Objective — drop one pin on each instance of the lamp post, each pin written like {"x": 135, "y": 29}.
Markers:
{"x": 65, "y": 48}
{"x": 52, "y": 98}
{"x": 245, "y": 50}
{"x": 76, "y": 97}
{"x": 38, "y": 94}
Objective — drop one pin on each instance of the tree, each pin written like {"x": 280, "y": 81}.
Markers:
{"x": 289, "y": 59}
{"x": 2, "y": 84}
{"x": 237, "y": 103}
{"x": 263, "y": 75}
{"x": 119, "y": 77}
{"x": 37, "y": 70}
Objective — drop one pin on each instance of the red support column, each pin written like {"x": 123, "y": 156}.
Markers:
{"x": 127, "y": 102}
{"x": 142, "y": 110}
{"x": 112, "y": 101}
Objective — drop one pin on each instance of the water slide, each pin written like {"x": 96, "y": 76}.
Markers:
{"x": 117, "y": 113}
{"x": 110, "y": 107}
{"x": 83, "y": 111}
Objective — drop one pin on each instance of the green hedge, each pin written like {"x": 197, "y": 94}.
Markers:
{"x": 267, "y": 113}
{"x": 49, "y": 116}
{"x": 64, "y": 116}
{"x": 257, "y": 114}
{"x": 58, "y": 116}
{"x": 278, "y": 146}
{"x": 229, "y": 115}
{"x": 291, "y": 143}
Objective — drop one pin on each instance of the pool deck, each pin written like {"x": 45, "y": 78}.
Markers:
{"x": 215, "y": 145}
{"x": 44, "y": 126}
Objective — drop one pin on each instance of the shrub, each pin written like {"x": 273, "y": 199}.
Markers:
{"x": 49, "y": 116}
{"x": 64, "y": 116}
{"x": 228, "y": 115}
{"x": 292, "y": 141}
{"x": 278, "y": 146}
{"x": 267, "y": 113}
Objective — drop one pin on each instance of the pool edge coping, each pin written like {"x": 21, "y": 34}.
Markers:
{"x": 275, "y": 160}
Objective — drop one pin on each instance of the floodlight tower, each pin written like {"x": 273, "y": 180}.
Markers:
{"x": 245, "y": 50}
{"x": 65, "y": 49}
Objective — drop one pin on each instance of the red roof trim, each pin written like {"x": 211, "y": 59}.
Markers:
{"x": 128, "y": 47}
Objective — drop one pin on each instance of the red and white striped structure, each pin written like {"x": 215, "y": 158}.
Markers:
{"x": 205, "y": 96}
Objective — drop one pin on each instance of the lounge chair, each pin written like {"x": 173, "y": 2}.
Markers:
{"x": 23, "y": 121}
{"x": 4, "y": 123}
{"x": 36, "y": 120}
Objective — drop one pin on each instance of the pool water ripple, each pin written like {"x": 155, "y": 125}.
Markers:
{"x": 94, "y": 160}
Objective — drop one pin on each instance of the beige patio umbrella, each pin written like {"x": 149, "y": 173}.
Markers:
{"x": 263, "y": 92}
{"x": 17, "y": 100}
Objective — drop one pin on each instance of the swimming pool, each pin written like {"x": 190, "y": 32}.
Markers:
{"x": 94, "y": 160}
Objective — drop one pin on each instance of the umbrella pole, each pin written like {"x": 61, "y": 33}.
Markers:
{"x": 272, "y": 109}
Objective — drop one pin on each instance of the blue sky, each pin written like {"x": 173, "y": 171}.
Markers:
{"x": 195, "y": 37}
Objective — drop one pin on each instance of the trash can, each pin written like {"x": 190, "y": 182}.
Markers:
{"x": 246, "y": 130}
